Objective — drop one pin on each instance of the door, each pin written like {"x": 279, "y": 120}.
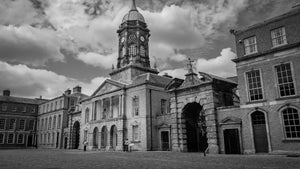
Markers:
{"x": 29, "y": 141}
{"x": 259, "y": 132}
{"x": 165, "y": 144}
{"x": 232, "y": 141}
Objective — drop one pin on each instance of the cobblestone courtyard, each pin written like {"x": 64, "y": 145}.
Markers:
{"x": 60, "y": 159}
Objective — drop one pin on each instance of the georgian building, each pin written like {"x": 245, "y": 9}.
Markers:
{"x": 18, "y": 121}
{"x": 53, "y": 119}
{"x": 268, "y": 118}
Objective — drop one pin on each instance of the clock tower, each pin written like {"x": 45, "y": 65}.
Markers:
{"x": 133, "y": 53}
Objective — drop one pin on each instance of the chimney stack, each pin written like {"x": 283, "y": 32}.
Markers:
{"x": 68, "y": 92}
{"x": 6, "y": 92}
{"x": 77, "y": 89}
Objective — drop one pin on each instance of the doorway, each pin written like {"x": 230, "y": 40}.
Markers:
{"x": 76, "y": 135}
{"x": 195, "y": 134}
{"x": 259, "y": 132}
{"x": 95, "y": 137}
{"x": 165, "y": 141}
{"x": 232, "y": 141}
{"x": 113, "y": 137}
{"x": 104, "y": 137}
{"x": 29, "y": 140}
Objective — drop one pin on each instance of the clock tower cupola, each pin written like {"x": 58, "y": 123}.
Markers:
{"x": 133, "y": 51}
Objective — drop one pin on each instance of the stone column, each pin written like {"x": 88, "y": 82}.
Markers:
{"x": 120, "y": 140}
{"x": 110, "y": 107}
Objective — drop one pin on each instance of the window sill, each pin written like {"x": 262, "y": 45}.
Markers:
{"x": 277, "y": 46}
{"x": 135, "y": 141}
{"x": 249, "y": 54}
{"x": 256, "y": 101}
{"x": 288, "y": 97}
{"x": 290, "y": 140}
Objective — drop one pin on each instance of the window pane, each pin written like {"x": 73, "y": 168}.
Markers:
{"x": 291, "y": 122}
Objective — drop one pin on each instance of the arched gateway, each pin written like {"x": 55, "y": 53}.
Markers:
{"x": 95, "y": 137}
{"x": 76, "y": 135}
{"x": 194, "y": 121}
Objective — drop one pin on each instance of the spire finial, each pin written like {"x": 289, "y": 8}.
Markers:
{"x": 133, "y": 6}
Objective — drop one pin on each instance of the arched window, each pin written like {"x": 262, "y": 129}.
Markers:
{"x": 132, "y": 50}
{"x": 291, "y": 122}
{"x": 87, "y": 115}
{"x": 142, "y": 51}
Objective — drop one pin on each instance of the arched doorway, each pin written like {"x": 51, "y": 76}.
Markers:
{"x": 259, "y": 132}
{"x": 113, "y": 137}
{"x": 95, "y": 137}
{"x": 104, "y": 137}
{"x": 232, "y": 141}
{"x": 76, "y": 135}
{"x": 195, "y": 130}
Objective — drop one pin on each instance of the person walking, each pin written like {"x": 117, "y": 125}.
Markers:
{"x": 126, "y": 143}
{"x": 85, "y": 143}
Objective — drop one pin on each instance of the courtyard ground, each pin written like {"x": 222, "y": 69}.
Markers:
{"x": 76, "y": 159}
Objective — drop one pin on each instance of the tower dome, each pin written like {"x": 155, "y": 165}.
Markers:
{"x": 133, "y": 14}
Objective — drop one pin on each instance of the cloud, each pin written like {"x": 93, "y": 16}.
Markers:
{"x": 29, "y": 45}
{"x": 222, "y": 66}
{"x": 95, "y": 59}
{"x": 38, "y": 82}
{"x": 19, "y": 12}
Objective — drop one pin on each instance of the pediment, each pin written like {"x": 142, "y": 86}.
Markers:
{"x": 163, "y": 125}
{"x": 108, "y": 86}
{"x": 231, "y": 120}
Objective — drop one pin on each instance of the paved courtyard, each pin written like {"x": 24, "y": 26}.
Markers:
{"x": 74, "y": 159}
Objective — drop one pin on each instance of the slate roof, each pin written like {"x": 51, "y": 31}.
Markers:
{"x": 21, "y": 100}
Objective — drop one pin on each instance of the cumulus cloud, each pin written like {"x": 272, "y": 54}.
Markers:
{"x": 38, "y": 82}
{"x": 95, "y": 59}
{"x": 221, "y": 66}
{"x": 29, "y": 45}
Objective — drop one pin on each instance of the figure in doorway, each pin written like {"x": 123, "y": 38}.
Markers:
{"x": 126, "y": 143}
{"x": 85, "y": 143}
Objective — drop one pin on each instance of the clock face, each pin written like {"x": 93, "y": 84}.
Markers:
{"x": 142, "y": 38}
{"x": 123, "y": 39}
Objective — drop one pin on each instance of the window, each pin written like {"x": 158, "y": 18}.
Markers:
{"x": 4, "y": 107}
{"x": 87, "y": 115}
{"x": 163, "y": 104}
{"x": 85, "y": 135}
{"x": 132, "y": 50}
{"x": 72, "y": 102}
{"x": 22, "y": 124}
{"x": 142, "y": 51}
{"x": 123, "y": 51}
{"x": 46, "y": 123}
{"x": 55, "y": 105}
{"x": 12, "y": 124}
{"x": 1, "y": 138}
{"x": 31, "y": 124}
{"x": 47, "y": 107}
{"x": 285, "y": 80}
{"x": 254, "y": 85}
{"x": 20, "y": 139}
{"x": 48, "y": 138}
{"x": 278, "y": 37}
{"x": 14, "y": 109}
{"x": 135, "y": 106}
{"x": 60, "y": 104}
{"x": 42, "y": 125}
{"x": 291, "y": 122}
{"x": 250, "y": 45}
{"x": 10, "y": 138}
{"x": 50, "y": 122}
{"x": 33, "y": 110}
{"x": 135, "y": 131}
{"x": 59, "y": 121}
{"x": 24, "y": 109}
{"x": 54, "y": 122}
{"x": 2, "y": 124}
{"x": 51, "y": 107}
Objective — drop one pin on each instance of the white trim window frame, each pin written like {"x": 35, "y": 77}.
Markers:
{"x": 135, "y": 133}
{"x": 278, "y": 37}
{"x": 250, "y": 45}
{"x": 31, "y": 125}
{"x": 23, "y": 125}
{"x": 2, "y": 124}
{"x": 8, "y": 138}
{"x": 291, "y": 123}
{"x": 285, "y": 80}
{"x": 14, "y": 124}
{"x": 254, "y": 85}
{"x": 22, "y": 140}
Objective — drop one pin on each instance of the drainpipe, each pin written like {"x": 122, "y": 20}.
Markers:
{"x": 150, "y": 93}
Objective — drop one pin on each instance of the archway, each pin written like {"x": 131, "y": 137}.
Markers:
{"x": 104, "y": 137}
{"x": 195, "y": 130}
{"x": 259, "y": 132}
{"x": 95, "y": 137}
{"x": 76, "y": 135}
{"x": 113, "y": 137}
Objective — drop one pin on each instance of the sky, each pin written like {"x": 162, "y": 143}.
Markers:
{"x": 48, "y": 46}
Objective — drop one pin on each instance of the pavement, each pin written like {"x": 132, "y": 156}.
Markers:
{"x": 77, "y": 159}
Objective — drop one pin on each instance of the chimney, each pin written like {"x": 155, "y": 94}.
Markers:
{"x": 77, "y": 89}
{"x": 68, "y": 92}
{"x": 6, "y": 92}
